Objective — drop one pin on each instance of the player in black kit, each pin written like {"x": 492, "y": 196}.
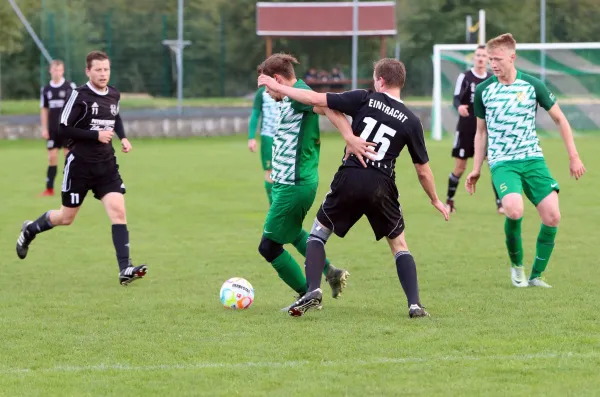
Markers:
{"x": 464, "y": 139}
{"x": 89, "y": 120}
{"x": 53, "y": 97}
{"x": 367, "y": 186}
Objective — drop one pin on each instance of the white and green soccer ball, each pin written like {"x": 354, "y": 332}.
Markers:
{"x": 237, "y": 293}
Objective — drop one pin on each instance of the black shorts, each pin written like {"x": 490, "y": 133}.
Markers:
{"x": 54, "y": 140}
{"x": 356, "y": 192}
{"x": 80, "y": 177}
{"x": 464, "y": 144}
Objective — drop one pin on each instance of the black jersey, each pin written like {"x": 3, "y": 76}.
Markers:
{"x": 464, "y": 94}
{"x": 384, "y": 120}
{"x": 87, "y": 112}
{"x": 53, "y": 97}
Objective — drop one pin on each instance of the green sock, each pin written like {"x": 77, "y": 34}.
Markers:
{"x": 543, "y": 250}
{"x": 268, "y": 188}
{"x": 300, "y": 244}
{"x": 290, "y": 272}
{"x": 514, "y": 244}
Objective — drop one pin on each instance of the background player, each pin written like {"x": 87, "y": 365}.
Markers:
{"x": 505, "y": 106}
{"x": 89, "y": 120}
{"x": 383, "y": 118}
{"x": 464, "y": 140}
{"x": 267, "y": 107}
{"x": 52, "y": 99}
{"x": 295, "y": 175}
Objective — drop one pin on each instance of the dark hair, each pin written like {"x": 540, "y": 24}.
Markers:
{"x": 392, "y": 71}
{"x": 480, "y": 47}
{"x": 282, "y": 64}
{"x": 95, "y": 56}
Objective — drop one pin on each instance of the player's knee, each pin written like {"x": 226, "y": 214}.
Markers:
{"x": 513, "y": 212}
{"x": 552, "y": 218}
{"x": 269, "y": 249}
{"x": 65, "y": 217}
{"x": 319, "y": 233}
{"x": 53, "y": 157}
{"x": 118, "y": 216}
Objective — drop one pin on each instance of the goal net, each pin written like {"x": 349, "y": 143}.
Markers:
{"x": 570, "y": 70}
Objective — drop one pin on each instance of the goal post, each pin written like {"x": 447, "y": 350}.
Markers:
{"x": 571, "y": 70}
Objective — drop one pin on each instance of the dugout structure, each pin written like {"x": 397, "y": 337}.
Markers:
{"x": 326, "y": 19}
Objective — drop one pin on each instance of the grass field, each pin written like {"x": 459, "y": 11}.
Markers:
{"x": 196, "y": 208}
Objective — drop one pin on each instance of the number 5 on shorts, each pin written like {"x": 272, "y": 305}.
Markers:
{"x": 503, "y": 187}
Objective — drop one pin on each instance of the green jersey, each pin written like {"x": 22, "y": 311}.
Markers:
{"x": 265, "y": 105}
{"x": 509, "y": 112}
{"x": 296, "y": 144}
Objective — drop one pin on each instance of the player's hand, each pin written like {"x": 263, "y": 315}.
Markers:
{"x": 463, "y": 110}
{"x": 267, "y": 81}
{"x": 360, "y": 148}
{"x": 105, "y": 136}
{"x": 441, "y": 207}
{"x": 471, "y": 181}
{"x": 45, "y": 133}
{"x": 126, "y": 145}
{"x": 576, "y": 167}
{"x": 252, "y": 145}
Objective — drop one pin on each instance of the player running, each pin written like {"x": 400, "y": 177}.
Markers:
{"x": 380, "y": 117}
{"x": 295, "y": 163}
{"x": 505, "y": 106}
{"x": 464, "y": 140}
{"x": 89, "y": 120}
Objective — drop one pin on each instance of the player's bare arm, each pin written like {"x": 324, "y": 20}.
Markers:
{"x": 576, "y": 167}
{"x": 303, "y": 96}
{"x": 44, "y": 121}
{"x": 428, "y": 183}
{"x": 354, "y": 144}
{"x": 481, "y": 137}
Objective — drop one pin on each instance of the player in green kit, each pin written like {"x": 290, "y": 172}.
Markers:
{"x": 266, "y": 107}
{"x": 505, "y": 106}
{"x": 296, "y": 147}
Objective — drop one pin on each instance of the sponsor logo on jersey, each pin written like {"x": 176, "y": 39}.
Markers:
{"x": 95, "y": 108}
{"x": 520, "y": 96}
{"x": 62, "y": 93}
{"x": 114, "y": 110}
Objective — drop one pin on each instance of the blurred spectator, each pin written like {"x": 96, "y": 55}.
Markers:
{"x": 311, "y": 75}
{"x": 337, "y": 75}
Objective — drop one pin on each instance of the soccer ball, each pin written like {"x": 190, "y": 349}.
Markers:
{"x": 237, "y": 293}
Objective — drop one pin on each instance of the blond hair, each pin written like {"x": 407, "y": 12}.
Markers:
{"x": 57, "y": 62}
{"x": 505, "y": 40}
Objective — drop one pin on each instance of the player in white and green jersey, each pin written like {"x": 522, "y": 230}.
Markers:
{"x": 267, "y": 110}
{"x": 296, "y": 147}
{"x": 505, "y": 106}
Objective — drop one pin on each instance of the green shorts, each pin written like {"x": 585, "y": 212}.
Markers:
{"x": 266, "y": 152}
{"x": 531, "y": 176}
{"x": 288, "y": 210}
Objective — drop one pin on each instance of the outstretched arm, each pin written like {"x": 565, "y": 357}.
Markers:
{"x": 306, "y": 97}
{"x": 576, "y": 167}
{"x": 428, "y": 183}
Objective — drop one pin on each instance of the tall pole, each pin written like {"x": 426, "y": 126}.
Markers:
{"x": 543, "y": 39}
{"x": 481, "y": 40}
{"x": 469, "y": 23}
{"x": 34, "y": 36}
{"x": 354, "y": 44}
{"x": 179, "y": 55}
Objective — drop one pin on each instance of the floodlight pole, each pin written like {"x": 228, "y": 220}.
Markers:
{"x": 34, "y": 36}
{"x": 543, "y": 39}
{"x": 481, "y": 27}
{"x": 354, "y": 44}
{"x": 179, "y": 57}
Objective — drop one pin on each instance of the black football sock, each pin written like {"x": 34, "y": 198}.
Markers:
{"x": 50, "y": 176}
{"x": 407, "y": 273}
{"x": 120, "y": 237}
{"x": 315, "y": 262}
{"x": 452, "y": 185}
{"x": 40, "y": 225}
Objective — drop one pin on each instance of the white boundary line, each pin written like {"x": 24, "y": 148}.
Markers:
{"x": 286, "y": 364}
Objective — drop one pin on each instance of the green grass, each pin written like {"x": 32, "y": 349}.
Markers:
{"x": 32, "y": 106}
{"x": 196, "y": 208}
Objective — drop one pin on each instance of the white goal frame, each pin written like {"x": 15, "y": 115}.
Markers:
{"x": 436, "y": 116}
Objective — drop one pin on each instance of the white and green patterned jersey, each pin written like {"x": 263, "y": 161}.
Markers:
{"x": 510, "y": 112}
{"x": 296, "y": 144}
{"x": 268, "y": 109}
